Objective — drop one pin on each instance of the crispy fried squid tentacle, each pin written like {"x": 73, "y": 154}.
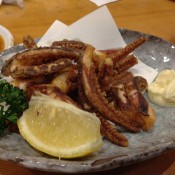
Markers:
{"x": 29, "y": 42}
{"x": 136, "y": 98}
{"x": 107, "y": 128}
{"x": 19, "y": 71}
{"x": 111, "y": 81}
{"x": 132, "y": 103}
{"x": 126, "y": 63}
{"x": 30, "y": 59}
{"x": 122, "y": 102}
{"x": 121, "y": 53}
{"x": 78, "y": 45}
{"x": 6, "y": 67}
{"x": 44, "y": 55}
{"x": 94, "y": 94}
{"x": 141, "y": 83}
{"x": 109, "y": 131}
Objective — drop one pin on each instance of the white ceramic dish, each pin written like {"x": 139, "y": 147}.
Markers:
{"x": 7, "y": 37}
{"x": 158, "y": 54}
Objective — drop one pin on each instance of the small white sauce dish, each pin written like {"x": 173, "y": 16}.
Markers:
{"x": 7, "y": 37}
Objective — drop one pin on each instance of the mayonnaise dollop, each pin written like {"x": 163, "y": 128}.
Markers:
{"x": 162, "y": 90}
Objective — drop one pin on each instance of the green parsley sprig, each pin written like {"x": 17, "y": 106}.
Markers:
{"x": 12, "y": 104}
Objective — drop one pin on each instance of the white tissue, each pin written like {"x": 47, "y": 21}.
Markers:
{"x": 19, "y": 3}
{"x": 102, "y": 2}
{"x": 98, "y": 29}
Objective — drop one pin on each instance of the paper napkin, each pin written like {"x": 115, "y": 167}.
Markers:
{"x": 98, "y": 29}
{"x": 19, "y": 3}
{"x": 56, "y": 28}
{"x": 102, "y": 2}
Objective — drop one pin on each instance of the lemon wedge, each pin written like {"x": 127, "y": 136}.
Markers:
{"x": 60, "y": 129}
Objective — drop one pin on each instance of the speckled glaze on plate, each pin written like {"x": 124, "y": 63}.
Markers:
{"x": 158, "y": 54}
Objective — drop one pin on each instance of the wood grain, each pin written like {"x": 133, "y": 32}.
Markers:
{"x": 156, "y": 17}
{"x": 152, "y": 17}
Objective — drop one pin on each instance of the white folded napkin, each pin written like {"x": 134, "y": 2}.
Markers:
{"x": 98, "y": 29}
{"x": 19, "y": 3}
{"x": 102, "y": 2}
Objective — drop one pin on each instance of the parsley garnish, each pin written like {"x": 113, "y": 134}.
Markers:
{"x": 12, "y": 103}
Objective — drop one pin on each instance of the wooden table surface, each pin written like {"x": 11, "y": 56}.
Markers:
{"x": 156, "y": 17}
